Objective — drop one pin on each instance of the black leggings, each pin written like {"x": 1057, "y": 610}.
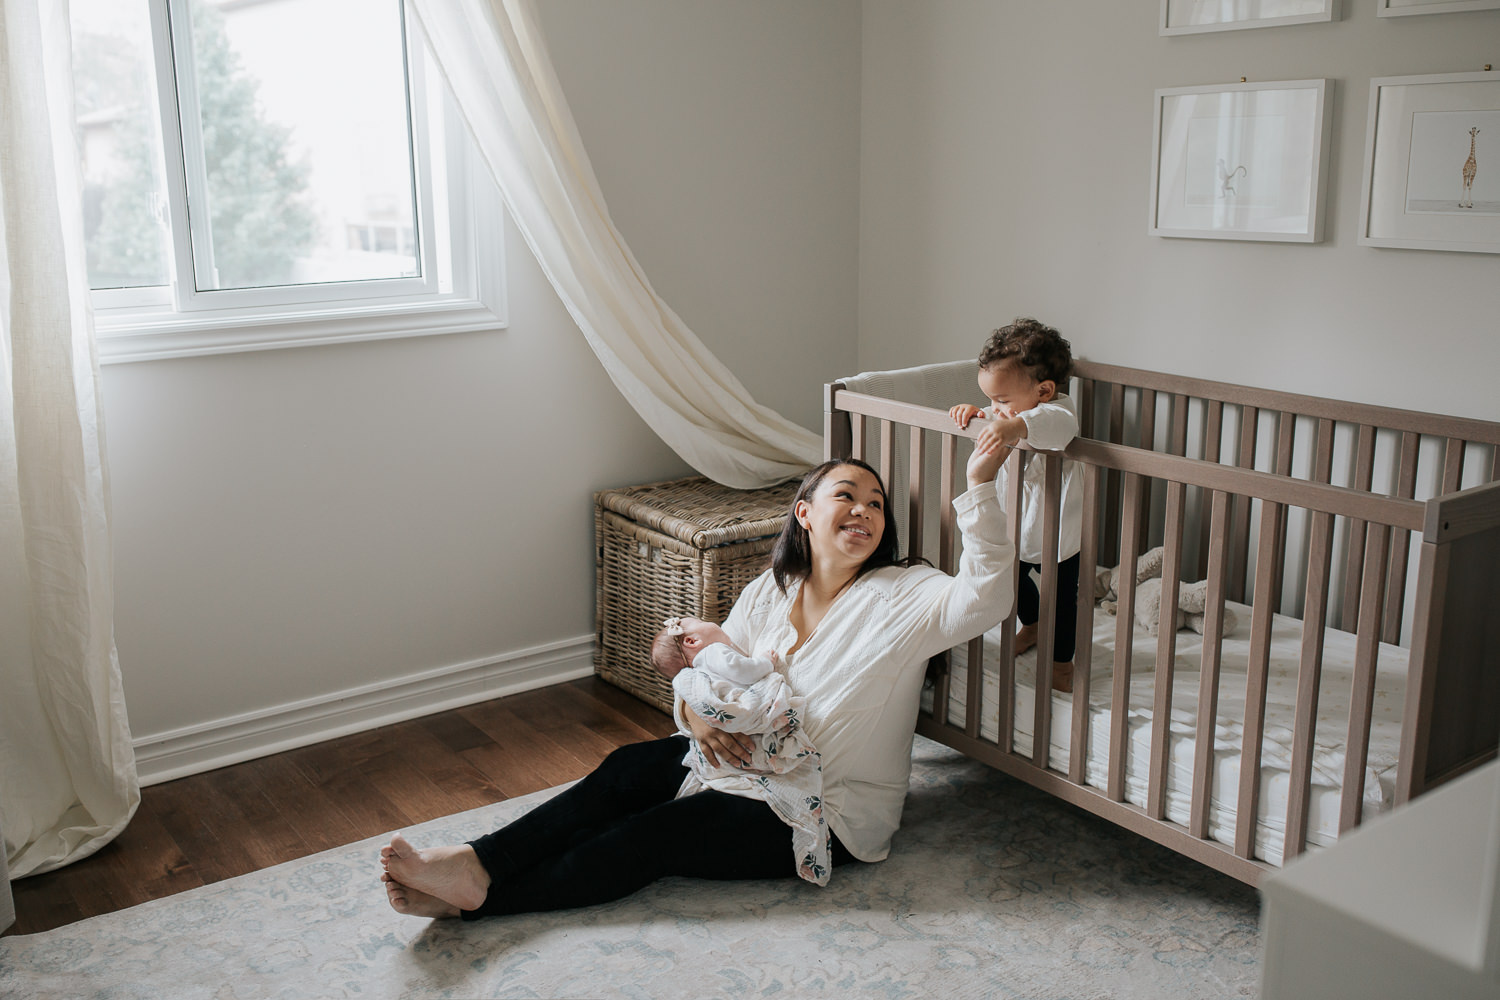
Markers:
{"x": 1028, "y": 606}
{"x": 620, "y": 828}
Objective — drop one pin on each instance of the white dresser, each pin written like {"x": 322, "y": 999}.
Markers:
{"x": 1407, "y": 906}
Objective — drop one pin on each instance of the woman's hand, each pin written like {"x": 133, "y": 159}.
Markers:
{"x": 985, "y": 463}
{"x": 734, "y": 748}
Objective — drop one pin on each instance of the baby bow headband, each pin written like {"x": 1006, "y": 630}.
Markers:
{"x": 673, "y": 626}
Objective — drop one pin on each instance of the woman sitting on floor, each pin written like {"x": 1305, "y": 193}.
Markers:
{"x": 853, "y": 631}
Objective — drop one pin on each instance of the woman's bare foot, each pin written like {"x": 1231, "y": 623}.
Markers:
{"x": 450, "y": 874}
{"x": 1025, "y": 638}
{"x": 405, "y": 899}
{"x": 1062, "y": 677}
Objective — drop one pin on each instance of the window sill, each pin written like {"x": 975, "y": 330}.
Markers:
{"x": 124, "y": 338}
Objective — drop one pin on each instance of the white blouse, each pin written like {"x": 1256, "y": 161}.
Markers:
{"x": 861, "y": 671}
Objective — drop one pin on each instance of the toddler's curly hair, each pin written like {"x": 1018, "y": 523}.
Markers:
{"x": 1037, "y": 348}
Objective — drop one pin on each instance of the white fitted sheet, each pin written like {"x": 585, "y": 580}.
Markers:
{"x": 1286, "y": 651}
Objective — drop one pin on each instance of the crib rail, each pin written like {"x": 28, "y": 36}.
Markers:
{"x": 1191, "y": 504}
{"x": 1373, "y": 449}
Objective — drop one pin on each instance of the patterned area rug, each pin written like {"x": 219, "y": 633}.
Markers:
{"x": 993, "y": 890}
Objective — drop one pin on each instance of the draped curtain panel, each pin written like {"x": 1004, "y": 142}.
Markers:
{"x": 495, "y": 60}
{"x": 67, "y": 770}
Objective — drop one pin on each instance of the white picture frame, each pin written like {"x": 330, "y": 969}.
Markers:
{"x": 1187, "y": 17}
{"x": 1244, "y": 161}
{"x": 1418, "y": 192}
{"x": 1401, "y": 8}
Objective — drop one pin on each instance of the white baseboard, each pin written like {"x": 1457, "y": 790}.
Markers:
{"x": 194, "y": 749}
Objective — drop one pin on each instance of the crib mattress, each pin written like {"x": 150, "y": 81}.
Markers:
{"x": 1276, "y": 753}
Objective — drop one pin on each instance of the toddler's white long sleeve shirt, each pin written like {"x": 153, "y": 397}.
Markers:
{"x": 1050, "y": 427}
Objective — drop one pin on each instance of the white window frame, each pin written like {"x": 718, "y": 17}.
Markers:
{"x": 461, "y": 245}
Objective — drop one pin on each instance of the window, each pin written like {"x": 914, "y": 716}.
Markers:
{"x": 270, "y": 173}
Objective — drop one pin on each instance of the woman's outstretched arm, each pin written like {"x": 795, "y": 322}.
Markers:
{"x": 941, "y": 611}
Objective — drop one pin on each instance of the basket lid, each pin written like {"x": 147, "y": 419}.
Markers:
{"x": 703, "y": 512}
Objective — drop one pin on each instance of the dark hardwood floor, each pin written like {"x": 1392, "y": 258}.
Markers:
{"x": 212, "y": 826}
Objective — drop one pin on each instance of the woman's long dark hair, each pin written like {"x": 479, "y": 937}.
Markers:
{"x": 791, "y": 558}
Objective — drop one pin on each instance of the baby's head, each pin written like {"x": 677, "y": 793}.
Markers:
{"x": 1022, "y": 365}
{"x": 680, "y": 641}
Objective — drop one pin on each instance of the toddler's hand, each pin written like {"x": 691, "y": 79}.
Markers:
{"x": 963, "y": 413}
{"x": 996, "y": 434}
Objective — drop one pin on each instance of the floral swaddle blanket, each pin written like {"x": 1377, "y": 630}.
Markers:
{"x": 785, "y": 770}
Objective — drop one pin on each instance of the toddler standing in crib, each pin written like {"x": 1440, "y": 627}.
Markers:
{"x": 744, "y": 694}
{"x": 1023, "y": 369}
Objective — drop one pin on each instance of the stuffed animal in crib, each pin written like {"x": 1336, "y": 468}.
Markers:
{"x": 1192, "y": 598}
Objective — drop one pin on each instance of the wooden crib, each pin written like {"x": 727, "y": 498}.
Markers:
{"x": 1357, "y": 546}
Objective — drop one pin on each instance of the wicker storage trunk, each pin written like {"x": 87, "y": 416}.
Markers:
{"x": 683, "y": 547}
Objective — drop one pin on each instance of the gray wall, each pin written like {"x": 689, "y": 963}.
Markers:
{"x": 725, "y": 134}
{"x": 313, "y": 539}
{"x": 1005, "y": 170}
{"x": 817, "y": 188}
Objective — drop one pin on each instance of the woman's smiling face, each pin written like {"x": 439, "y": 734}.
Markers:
{"x": 844, "y": 518}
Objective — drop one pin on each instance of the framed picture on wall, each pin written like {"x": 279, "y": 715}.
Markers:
{"x": 1183, "y": 17}
{"x": 1400, "y": 8}
{"x": 1241, "y": 161}
{"x": 1432, "y": 163}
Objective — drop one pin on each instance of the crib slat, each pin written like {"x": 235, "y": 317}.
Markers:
{"x": 1177, "y": 408}
{"x": 1249, "y": 436}
{"x": 1239, "y": 549}
{"x": 1130, "y": 551}
{"x": 1322, "y": 466}
{"x": 1286, "y": 434}
{"x": 1322, "y": 469}
{"x": 1006, "y": 723}
{"x": 1395, "y": 592}
{"x": 1213, "y": 429}
{"x": 887, "y": 450}
{"x": 1286, "y": 440}
{"x": 1148, "y": 420}
{"x": 1115, "y": 435}
{"x": 947, "y": 522}
{"x": 1085, "y": 401}
{"x": 1364, "y": 474}
{"x": 916, "y": 470}
{"x": 1148, "y": 443}
{"x": 1166, "y": 653}
{"x": 1116, "y": 413}
{"x": 947, "y": 517}
{"x": 835, "y": 425}
{"x": 858, "y": 437}
{"x": 1362, "y": 695}
{"x": 974, "y": 693}
{"x": 1177, "y": 440}
{"x": 1309, "y": 675}
{"x": 1208, "y": 677}
{"x": 1041, "y": 744}
{"x": 1453, "y": 465}
{"x": 1257, "y": 673}
{"x": 1083, "y": 650}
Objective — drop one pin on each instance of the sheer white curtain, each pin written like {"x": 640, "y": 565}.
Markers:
{"x": 494, "y": 57}
{"x": 67, "y": 770}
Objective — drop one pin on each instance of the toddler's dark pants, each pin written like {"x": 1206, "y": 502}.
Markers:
{"x": 1028, "y": 606}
